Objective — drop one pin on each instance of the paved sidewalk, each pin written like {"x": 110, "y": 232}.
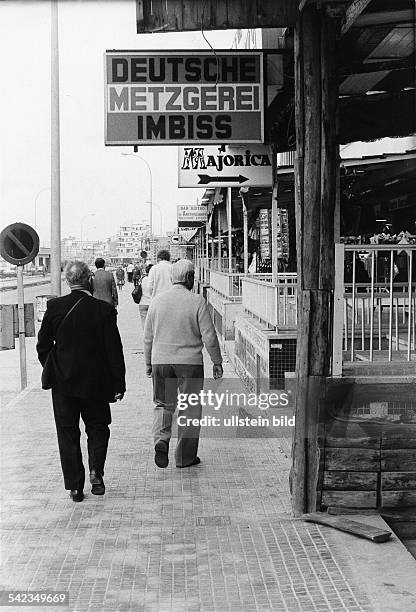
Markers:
{"x": 215, "y": 537}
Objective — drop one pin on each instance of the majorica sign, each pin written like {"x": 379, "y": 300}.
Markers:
{"x": 181, "y": 97}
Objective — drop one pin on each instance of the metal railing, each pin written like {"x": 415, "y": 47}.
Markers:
{"x": 229, "y": 285}
{"x": 203, "y": 267}
{"x": 221, "y": 265}
{"x": 374, "y": 303}
{"x": 275, "y": 304}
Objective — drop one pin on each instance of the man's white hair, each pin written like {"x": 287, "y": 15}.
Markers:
{"x": 77, "y": 273}
{"x": 180, "y": 270}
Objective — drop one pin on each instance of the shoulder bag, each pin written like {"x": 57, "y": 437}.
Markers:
{"x": 137, "y": 292}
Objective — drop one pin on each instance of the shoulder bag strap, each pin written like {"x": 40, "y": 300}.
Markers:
{"x": 67, "y": 315}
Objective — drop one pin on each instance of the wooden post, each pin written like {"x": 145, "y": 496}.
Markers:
{"x": 229, "y": 222}
{"x": 22, "y": 334}
{"x": 316, "y": 95}
{"x": 245, "y": 237}
{"x": 275, "y": 260}
{"x": 219, "y": 237}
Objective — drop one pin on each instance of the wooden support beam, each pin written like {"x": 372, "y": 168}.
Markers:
{"x": 352, "y": 13}
{"x": 316, "y": 96}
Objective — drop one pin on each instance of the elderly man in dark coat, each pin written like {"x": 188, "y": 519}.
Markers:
{"x": 87, "y": 372}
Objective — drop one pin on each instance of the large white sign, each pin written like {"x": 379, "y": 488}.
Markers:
{"x": 249, "y": 165}
{"x": 178, "y": 97}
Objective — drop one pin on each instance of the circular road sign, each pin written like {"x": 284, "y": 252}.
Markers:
{"x": 176, "y": 239}
{"x": 19, "y": 244}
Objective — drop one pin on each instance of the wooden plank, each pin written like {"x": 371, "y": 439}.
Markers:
{"x": 398, "y": 481}
{"x": 398, "y": 499}
{"x": 338, "y": 509}
{"x": 405, "y": 16}
{"x": 352, "y": 13}
{"x": 343, "y": 428}
{"x": 405, "y": 430}
{"x": 362, "y": 530}
{"x": 401, "y": 460}
{"x": 350, "y": 481}
{"x": 364, "y": 442}
{"x": 352, "y": 499}
{"x": 398, "y": 443}
{"x": 356, "y": 460}
{"x": 188, "y": 15}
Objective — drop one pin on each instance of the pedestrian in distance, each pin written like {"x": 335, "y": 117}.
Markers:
{"x": 178, "y": 325}
{"x": 129, "y": 270}
{"x": 80, "y": 348}
{"x": 103, "y": 284}
{"x": 146, "y": 297}
{"x": 120, "y": 276}
{"x": 160, "y": 274}
{"x": 144, "y": 262}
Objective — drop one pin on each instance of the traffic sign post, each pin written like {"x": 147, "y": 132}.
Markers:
{"x": 22, "y": 332}
{"x": 19, "y": 244}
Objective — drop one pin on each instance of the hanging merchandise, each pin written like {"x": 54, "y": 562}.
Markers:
{"x": 282, "y": 231}
{"x": 265, "y": 233}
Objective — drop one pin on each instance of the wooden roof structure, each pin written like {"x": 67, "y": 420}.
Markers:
{"x": 376, "y": 57}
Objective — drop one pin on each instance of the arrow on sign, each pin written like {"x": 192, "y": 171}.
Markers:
{"x": 204, "y": 179}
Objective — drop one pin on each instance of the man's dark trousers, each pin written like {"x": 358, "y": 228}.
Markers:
{"x": 96, "y": 415}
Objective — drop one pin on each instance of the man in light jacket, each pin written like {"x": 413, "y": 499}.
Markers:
{"x": 178, "y": 325}
{"x": 160, "y": 274}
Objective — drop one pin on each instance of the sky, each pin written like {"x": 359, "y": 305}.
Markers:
{"x": 100, "y": 189}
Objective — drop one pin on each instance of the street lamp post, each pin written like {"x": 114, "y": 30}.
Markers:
{"x": 36, "y": 201}
{"x": 150, "y": 192}
{"x": 82, "y": 223}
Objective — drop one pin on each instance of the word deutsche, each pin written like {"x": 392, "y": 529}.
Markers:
{"x": 209, "y": 69}
{"x": 170, "y": 98}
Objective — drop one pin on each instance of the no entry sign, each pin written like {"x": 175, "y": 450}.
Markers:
{"x": 180, "y": 97}
{"x": 19, "y": 244}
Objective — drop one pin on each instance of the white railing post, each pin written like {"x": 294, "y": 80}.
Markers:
{"x": 338, "y": 329}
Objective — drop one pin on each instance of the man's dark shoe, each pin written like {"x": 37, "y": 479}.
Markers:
{"x": 77, "y": 495}
{"x": 162, "y": 454}
{"x": 194, "y": 462}
{"x": 97, "y": 482}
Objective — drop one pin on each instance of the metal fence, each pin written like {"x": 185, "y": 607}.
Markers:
{"x": 275, "y": 304}
{"x": 374, "y": 303}
{"x": 229, "y": 285}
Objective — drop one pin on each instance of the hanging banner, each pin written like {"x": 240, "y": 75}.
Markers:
{"x": 180, "y": 97}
